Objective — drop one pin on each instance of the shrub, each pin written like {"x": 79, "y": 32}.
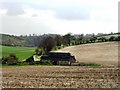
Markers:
{"x": 39, "y": 51}
{"x": 59, "y": 47}
{"x": 88, "y": 64}
{"x": 10, "y": 59}
{"x": 112, "y": 38}
{"x": 30, "y": 63}
{"x": 45, "y": 63}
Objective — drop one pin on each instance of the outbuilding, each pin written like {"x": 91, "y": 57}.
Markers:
{"x": 59, "y": 58}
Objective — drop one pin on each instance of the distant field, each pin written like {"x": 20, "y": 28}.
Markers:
{"x": 21, "y": 52}
{"x": 101, "y": 53}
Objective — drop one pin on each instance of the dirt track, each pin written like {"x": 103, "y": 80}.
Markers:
{"x": 101, "y": 53}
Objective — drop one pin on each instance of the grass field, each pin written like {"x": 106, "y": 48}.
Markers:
{"x": 21, "y": 52}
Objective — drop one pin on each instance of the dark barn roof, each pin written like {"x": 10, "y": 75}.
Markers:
{"x": 57, "y": 56}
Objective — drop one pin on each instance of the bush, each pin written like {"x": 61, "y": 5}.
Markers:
{"x": 10, "y": 59}
{"x": 17, "y": 63}
{"x": 117, "y": 38}
{"x": 112, "y": 38}
{"x": 54, "y": 48}
{"x": 45, "y": 63}
{"x": 30, "y": 63}
{"x": 88, "y": 64}
{"x": 39, "y": 51}
{"x": 59, "y": 47}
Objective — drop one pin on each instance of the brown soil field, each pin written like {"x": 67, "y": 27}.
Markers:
{"x": 104, "y": 76}
{"x": 100, "y": 53}
{"x": 60, "y": 77}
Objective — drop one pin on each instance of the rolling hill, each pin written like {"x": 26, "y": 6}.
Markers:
{"x": 102, "y": 53}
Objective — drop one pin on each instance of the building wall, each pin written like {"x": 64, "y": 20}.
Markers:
{"x": 59, "y": 62}
{"x": 63, "y": 62}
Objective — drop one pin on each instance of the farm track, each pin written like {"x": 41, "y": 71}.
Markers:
{"x": 60, "y": 76}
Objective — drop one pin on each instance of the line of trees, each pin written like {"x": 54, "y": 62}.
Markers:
{"x": 48, "y": 43}
{"x": 66, "y": 40}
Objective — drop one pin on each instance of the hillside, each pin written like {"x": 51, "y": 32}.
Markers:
{"x": 34, "y": 40}
{"x": 101, "y": 53}
{"x": 26, "y": 40}
{"x": 11, "y": 40}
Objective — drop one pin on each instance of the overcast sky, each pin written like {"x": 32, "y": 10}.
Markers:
{"x": 22, "y": 17}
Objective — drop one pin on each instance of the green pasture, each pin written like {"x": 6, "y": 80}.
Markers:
{"x": 21, "y": 52}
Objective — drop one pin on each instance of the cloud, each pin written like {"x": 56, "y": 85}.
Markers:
{"x": 24, "y": 25}
{"x": 3, "y": 12}
{"x": 41, "y": 14}
{"x": 73, "y": 14}
{"x": 13, "y": 8}
{"x": 59, "y": 16}
{"x": 63, "y": 11}
{"x": 106, "y": 15}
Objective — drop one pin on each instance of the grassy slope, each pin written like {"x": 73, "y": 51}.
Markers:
{"x": 21, "y": 52}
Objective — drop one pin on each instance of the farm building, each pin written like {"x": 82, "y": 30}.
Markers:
{"x": 33, "y": 58}
{"x": 59, "y": 58}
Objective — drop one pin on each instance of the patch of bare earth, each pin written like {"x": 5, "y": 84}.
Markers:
{"x": 60, "y": 76}
{"x": 69, "y": 76}
{"x": 101, "y": 53}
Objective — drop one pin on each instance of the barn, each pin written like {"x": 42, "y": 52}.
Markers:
{"x": 59, "y": 58}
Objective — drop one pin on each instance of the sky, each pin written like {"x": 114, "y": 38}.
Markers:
{"x": 21, "y": 17}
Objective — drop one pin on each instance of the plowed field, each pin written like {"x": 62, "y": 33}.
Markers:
{"x": 105, "y": 76}
{"x": 60, "y": 76}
